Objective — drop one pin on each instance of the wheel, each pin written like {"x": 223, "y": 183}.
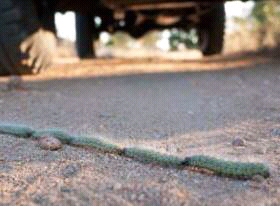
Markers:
{"x": 85, "y": 35}
{"x": 46, "y": 15}
{"x": 211, "y": 30}
{"x": 21, "y": 38}
{"x": 141, "y": 29}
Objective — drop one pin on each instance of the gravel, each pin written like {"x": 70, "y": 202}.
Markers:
{"x": 182, "y": 113}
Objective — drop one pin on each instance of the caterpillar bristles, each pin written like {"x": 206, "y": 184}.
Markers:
{"x": 62, "y": 136}
{"x": 228, "y": 168}
{"x": 16, "y": 130}
{"x": 217, "y": 166}
{"x": 97, "y": 143}
{"x": 148, "y": 156}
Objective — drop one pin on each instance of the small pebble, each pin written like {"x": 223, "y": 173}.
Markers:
{"x": 30, "y": 179}
{"x": 179, "y": 149}
{"x": 141, "y": 197}
{"x": 40, "y": 199}
{"x": 258, "y": 182}
{"x": 163, "y": 179}
{"x": 275, "y": 132}
{"x": 260, "y": 151}
{"x": 71, "y": 170}
{"x": 133, "y": 197}
{"x": 258, "y": 178}
{"x": 65, "y": 189}
{"x": 49, "y": 143}
{"x": 117, "y": 186}
{"x": 238, "y": 142}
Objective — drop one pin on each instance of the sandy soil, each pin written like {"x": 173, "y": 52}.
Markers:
{"x": 182, "y": 108}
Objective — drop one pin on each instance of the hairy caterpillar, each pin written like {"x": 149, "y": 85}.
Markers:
{"x": 227, "y": 168}
{"x": 218, "y": 166}
{"x": 148, "y": 156}
{"x": 16, "y": 130}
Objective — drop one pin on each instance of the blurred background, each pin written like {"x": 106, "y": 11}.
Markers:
{"x": 250, "y": 26}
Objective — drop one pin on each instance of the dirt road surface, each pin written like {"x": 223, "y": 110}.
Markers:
{"x": 182, "y": 108}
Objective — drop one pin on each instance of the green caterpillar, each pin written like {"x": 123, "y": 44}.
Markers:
{"x": 219, "y": 167}
{"x": 78, "y": 141}
{"x": 97, "y": 144}
{"x": 227, "y": 168}
{"x": 16, "y": 130}
{"x": 148, "y": 156}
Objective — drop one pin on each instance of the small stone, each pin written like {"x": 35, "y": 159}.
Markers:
{"x": 65, "y": 189}
{"x": 238, "y": 142}
{"x": 275, "y": 132}
{"x": 17, "y": 194}
{"x": 163, "y": 179}
{"x": 141, "y": 197}
{"x": 49, "y": 143}
{"x": 117, "y": 186}
{"x": 133, "y": 197}
{"x": 30, "y": 179}
{"x": 40, "y": 199}
{"x": 71, "y": 170}
{"x": 258, "y": 182}
{"x": 260, "y": 151}
{"x": 179, "y": 149}
{"x": 258, "y": 178}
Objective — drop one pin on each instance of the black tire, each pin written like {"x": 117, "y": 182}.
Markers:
{"x": 18, "y": 24}
{"x": 46, "y": 15}
{"x": 211, "y": 30}
{"x": 85, "y": 33}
